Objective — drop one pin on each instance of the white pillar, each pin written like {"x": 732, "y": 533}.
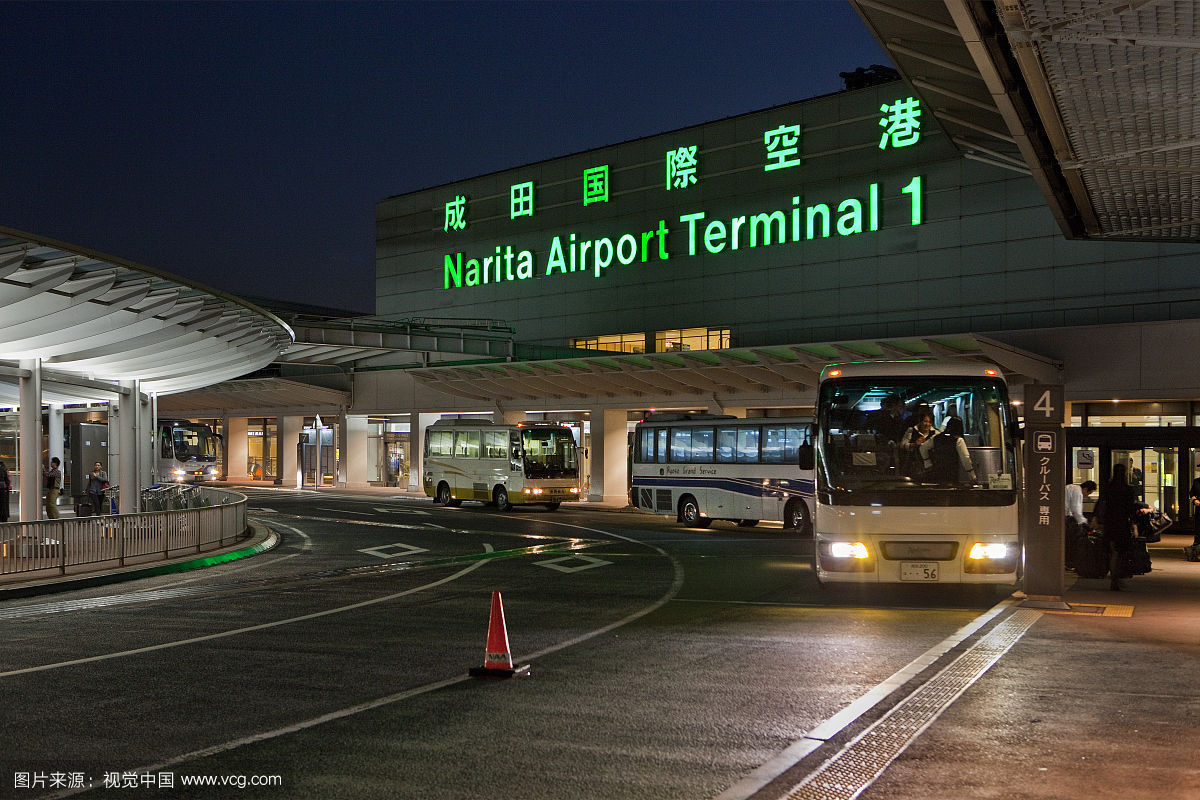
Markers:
{"x": 609, "y": 453}
{"x": 128, "y": 410}
{"x": 288, "y": 466}
{"x": 417, "y": 423}
{"x": 354, "y": 450}
{"x": 236, "y": 431}
{"x": 54, "y": 442}
{"x": 29, "y": 452}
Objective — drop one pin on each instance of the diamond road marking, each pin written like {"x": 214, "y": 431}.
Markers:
{"x": 589, "y": 562}
{"x": 393, "y": 550}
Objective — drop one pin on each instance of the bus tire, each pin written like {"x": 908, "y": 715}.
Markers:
{"x": 689, "y": 513}
{"x": 747, "y": 523}
{"x": 797, "y": 518}
{"x": 500, "y": 498}
{"x": 442, "y": 498}
{"x": 552, "y": 506}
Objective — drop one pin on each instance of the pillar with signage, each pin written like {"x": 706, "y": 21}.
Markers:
{"x": 1045, "y": 481}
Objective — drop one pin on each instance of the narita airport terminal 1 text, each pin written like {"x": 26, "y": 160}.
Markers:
{"x": 713, "y": 236}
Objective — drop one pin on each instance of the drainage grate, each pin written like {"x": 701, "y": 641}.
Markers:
{"x": 849, "y": 773}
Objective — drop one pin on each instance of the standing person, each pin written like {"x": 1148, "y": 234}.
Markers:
{"x": 1194, "y": 496}
{"x": 97, "y": 482}
{"x": 918, "y": 433}
{"x": 1076, "y": 522}
{"x": 1119, "y": 503}
{"x": 53, "y": 481}
{"x": 5, "y": 488}
{"x": 945, "y": 453}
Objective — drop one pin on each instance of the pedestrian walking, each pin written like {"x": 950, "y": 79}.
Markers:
{"x": 1118, "y": 504}
{"x": 97, "y": 482}
{"x": 5, "y": 488}
{"x": 52, "y": 478}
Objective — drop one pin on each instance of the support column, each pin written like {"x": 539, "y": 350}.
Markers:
{"x": 417, "y": 423}
{"x": 237, "y": 448}
{"x": 353, "y": 430}
{"x": 288, "y": 469}
{"x": 29, "y": 451}
{"x": 610, "y": 453}
{"x": 128, "y": 411}
{"x": 54, "y": 444}
{"x": 508, "y": 417}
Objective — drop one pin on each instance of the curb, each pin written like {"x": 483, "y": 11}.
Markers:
{"x": 270, "y": 542}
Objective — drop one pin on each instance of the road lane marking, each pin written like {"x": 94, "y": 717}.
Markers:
{"x": 561, "y": 565}
{"x": 250, "y": 628}
{"x": 676, "y": 585}
{"x": 393, "y": 550}
{"x": 831, "y": 727}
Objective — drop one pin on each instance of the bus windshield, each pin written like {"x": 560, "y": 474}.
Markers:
{"x": 194, "y": 443}
{"x": 549, "y": 453}
{"x": 881, "y": 434}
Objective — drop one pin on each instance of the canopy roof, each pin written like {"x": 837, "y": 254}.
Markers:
{"x": 93, "y": 320}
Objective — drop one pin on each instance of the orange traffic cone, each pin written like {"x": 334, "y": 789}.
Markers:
{"x": 497, "y": 661}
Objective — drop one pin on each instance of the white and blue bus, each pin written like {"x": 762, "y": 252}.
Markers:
{"x": 701, "y": 467}
{"x": 882, "y": 515}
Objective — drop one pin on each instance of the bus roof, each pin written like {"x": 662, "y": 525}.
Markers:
{"x": 916, "y": 367}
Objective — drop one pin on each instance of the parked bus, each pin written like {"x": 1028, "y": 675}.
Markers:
{"x": 186, "y": 452}
{"x": 882, "y": 515}
{"x": 701, "y": 467}
{"x": 505, "y": 465}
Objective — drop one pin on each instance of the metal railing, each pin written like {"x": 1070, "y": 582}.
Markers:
{"x": 176, "y": 520}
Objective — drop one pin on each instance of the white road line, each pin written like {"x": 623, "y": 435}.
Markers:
{"x": 224, "y": 747}
{"x": 248, "y": 629}
{"x": 831, "y": 727}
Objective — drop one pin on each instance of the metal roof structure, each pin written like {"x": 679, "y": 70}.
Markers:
{"x": 1095, "y": 100}
{"x": 688, "y": 375}
{"x": 92, "y": 320}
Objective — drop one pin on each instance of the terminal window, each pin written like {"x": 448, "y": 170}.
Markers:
{"x": 616, "y": 342}
{"x": 691, "y": 339}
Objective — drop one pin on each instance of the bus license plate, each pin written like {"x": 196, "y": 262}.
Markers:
{"x": 918, "y": 570}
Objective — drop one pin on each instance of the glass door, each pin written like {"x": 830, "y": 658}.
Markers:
{"x": 1153, "y": 472}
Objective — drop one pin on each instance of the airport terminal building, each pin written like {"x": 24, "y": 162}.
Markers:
{"x": 966, "y": 210}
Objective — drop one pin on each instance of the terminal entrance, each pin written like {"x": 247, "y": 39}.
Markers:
{"x": 1161, "y": 465}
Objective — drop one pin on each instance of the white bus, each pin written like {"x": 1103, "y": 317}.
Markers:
{"x": 701, "y": 467}
{"x": 187, "y": 452}
{"x": 523, "y": 464}
{"x": 881, "y": 514}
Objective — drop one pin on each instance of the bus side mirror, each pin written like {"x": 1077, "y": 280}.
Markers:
{"x": 805, "y": 457}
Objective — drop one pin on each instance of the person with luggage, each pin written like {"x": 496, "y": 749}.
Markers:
{"x": 97, "y": 482}
{"x": 1076, "y": 523}
{"x": 1194, "y": 496}
{"x": 1116, "y": 510}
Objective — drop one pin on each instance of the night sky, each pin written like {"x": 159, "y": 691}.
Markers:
{"x": 245, "y": 145}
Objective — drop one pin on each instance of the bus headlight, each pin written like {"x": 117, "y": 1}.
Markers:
{"x": 992, "y": 550}
{"x": 180, "y": 472}
{"x": 848, "y": 550}
{"x": 991, "y": 558}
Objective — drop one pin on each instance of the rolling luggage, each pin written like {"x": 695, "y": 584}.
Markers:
{"x": 1091, "y": 556}
{"x": 1138, "y": 559}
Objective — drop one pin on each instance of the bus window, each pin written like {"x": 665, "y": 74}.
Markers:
{"x": 466, "y": 444}
{"x": 441, "y": 443}
{"x": 646, "y": 446}
{"x": 702, "y": 446}
{"x": 495, "y": 444}
{"x": 681, "y": 445}
{"x": 747, "y": 446}
{"x": 726, "y": 445}
{"x": 661, "y": 451}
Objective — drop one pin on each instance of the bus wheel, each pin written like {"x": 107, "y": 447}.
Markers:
{"x": 442, "y": 498}
{"x": 796, "y": 517}
{"x": 552, "y": 506}
{"x": 500, "y": 496}
{"x": 689, "y": 513}
{"x": 747, "y": 523}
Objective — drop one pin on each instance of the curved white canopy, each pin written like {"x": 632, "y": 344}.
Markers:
{"x": 93, "y": 320}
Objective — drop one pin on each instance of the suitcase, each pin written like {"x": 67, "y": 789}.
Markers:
{"x": 1138, "y": 559}
{"x": 1192, "y": 552}
{"x": 1091, "y": 556}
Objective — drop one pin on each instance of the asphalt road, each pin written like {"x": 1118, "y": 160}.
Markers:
{"x": 665, "y": 662}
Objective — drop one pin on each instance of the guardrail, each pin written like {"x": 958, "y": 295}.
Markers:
{"x": 175, "y": 521}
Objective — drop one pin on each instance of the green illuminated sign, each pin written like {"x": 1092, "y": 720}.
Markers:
{"x": 456, "y": 214}
{"x": 681, "y": 167}
{"x": 901, "y": 123}
{"x": 568, "y": 253}
{"x": 595, "y": 185}
{"x": 783, "y": 147}
{"x": 520, "y": 200}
